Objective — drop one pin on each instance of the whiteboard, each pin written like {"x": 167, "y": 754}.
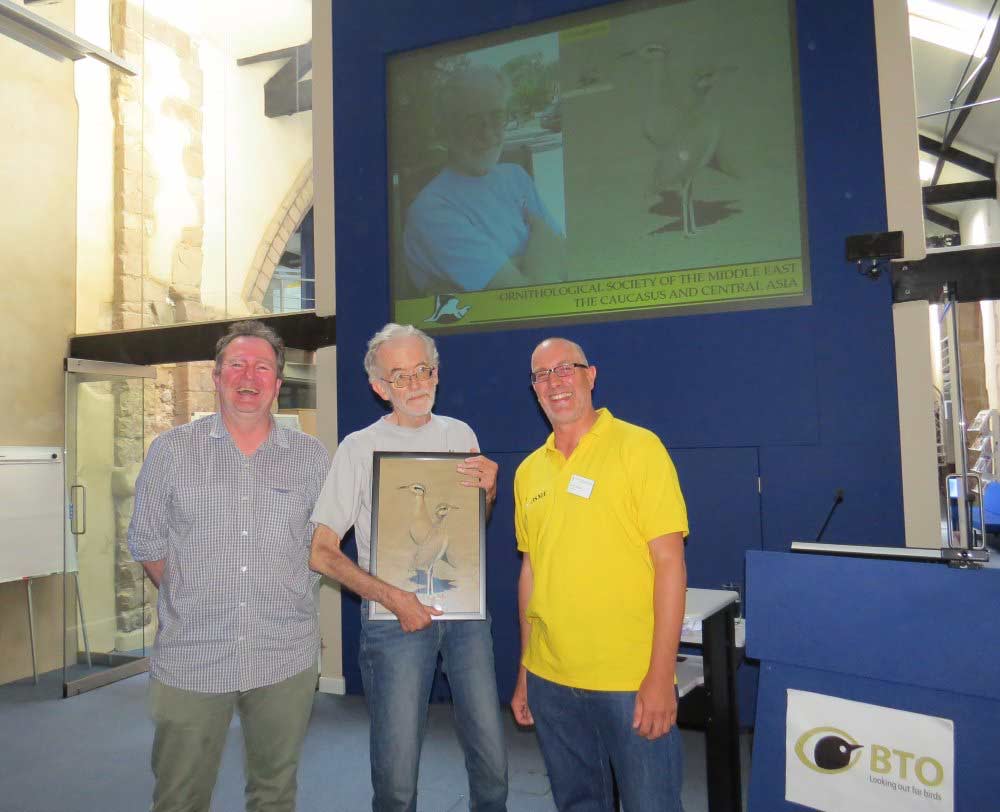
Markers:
{"x": 31, "y": 512}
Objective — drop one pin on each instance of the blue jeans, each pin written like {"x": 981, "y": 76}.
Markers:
{"x": 585, "y": 734}
{"x": 397, "y": 669}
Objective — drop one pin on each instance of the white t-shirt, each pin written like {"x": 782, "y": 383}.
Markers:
{"x": 346, "y": 498}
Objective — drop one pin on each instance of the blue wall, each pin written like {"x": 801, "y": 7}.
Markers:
{"x": 805, "y": 397}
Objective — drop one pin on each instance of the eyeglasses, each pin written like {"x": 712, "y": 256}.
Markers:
{"x": 490, "y": 119}
{"x": 562, "y": 370}
{"x": 401, "y": 380}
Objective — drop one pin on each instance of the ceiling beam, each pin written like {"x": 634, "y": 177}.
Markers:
{"x": 286, "y": 92}
{"x": 196, "y": 342}
{"x": 269, "y": 56}
{"x": 957, "y": 192}
{"x": 970, "y": 272}
{"x": 979, "y": 166}
{"x": 975, "y": 88}
{"x": 939, "y": 218}
{"x": 55, "y": 42}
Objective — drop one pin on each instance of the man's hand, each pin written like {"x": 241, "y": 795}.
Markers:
{"x": 655, "y": 706}
{"x": 545, "y": 254}
{"x": 328, "y": 559}
{"x": 481, "y": 472}
{"x": 154, "y": 570}
{"x": 656, "y": 701}
{"x": 519, "y": 702}
{"x": 411, "y": 613}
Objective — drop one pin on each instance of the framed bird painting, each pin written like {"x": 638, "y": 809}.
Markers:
{"x": 428, "y": 533}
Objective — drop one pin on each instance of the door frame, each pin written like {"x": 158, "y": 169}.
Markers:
{"x": 119, "y": 666}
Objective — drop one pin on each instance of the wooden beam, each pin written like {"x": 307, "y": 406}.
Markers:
{"x": 956, "y": 156}
{"x": 269, "y": 56}
{"x": 939, "y": 218}
{"x": 957, "y": 192}
{"x": 971, "y": 271}
{"x": 196, "y": 342}
{"x": 131, "y": 667}
{"x": 975, "y": 88}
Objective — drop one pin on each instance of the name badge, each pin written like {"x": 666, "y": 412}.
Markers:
{"x": 580, "y": 486}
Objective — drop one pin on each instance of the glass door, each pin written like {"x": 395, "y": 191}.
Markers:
{"x": 109, "y": 604}
{"x": 963, "y": 520}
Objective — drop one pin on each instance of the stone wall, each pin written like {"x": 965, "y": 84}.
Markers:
{"x": 132, "y": 609}
{"x": 157, "y": 283}
{"x": 195, "y": 390}
{"x": 143, "y": 411}
{"x": 143, "y": 299}
{"x": 39, "y": 138}
{"x": 134, "y": 185}
{"x": 975, "y": 396}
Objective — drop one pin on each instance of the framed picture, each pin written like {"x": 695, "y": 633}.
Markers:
{"x": 428, "y": 533}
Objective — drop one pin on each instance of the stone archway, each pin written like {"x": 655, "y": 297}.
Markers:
{"x": 286, "y": 220}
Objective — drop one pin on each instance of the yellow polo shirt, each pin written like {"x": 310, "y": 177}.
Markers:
{"x": 586, "y": 523}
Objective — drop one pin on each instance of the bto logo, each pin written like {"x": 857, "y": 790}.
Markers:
{"x": 829, "y": 750}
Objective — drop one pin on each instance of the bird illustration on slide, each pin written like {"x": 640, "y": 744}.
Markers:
{"x": 427, "y": 531}
{"x": 682, "y": 120}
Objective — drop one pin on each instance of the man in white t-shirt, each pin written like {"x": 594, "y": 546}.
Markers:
{"x": 398, "y": 658}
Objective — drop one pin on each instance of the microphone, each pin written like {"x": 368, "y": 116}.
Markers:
{"x": 838, "y": 497}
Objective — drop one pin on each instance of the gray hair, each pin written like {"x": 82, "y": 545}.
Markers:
{"x": 451, "y": 97}
{"x": 573, "y": 344}
{"x": 251, "y": 328}
{"x": 391, "y": 332}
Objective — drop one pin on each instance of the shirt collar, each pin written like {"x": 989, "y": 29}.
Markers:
{"x": 603, "y": 422}
{"x": 278, "y": 434}
{"x": 387, "y": 422}
{"x": 604, "y": 418}
{"x": 219, "y": 429}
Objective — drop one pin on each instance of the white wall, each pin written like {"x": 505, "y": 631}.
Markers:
{"x": 95, "y": 181}
{"x": 332, "y": 664}
{"x": 904, "y": 212}
{"x": 38, "y": 142}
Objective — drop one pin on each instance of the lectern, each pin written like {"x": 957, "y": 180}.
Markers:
{"x": 913, "y": 641}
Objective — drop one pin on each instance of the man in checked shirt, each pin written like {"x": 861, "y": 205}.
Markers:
{"x": 221, "y": 526}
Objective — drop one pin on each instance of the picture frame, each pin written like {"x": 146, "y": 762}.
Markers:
{"x": 428, "y": 533}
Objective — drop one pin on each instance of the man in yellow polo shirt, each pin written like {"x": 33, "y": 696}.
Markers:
{"x": 600, "y": 521}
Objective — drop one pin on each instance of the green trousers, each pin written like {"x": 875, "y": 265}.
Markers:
{"x": 191, "y": 731}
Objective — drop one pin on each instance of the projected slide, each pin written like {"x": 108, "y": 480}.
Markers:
{"x": 630, "y": 160}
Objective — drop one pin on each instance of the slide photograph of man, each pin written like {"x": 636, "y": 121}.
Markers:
{"x": 491, "y": 214}
{"x": 637, "y": 157}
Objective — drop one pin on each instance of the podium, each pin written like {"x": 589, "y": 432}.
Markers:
{"x": 910, "y": 636}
